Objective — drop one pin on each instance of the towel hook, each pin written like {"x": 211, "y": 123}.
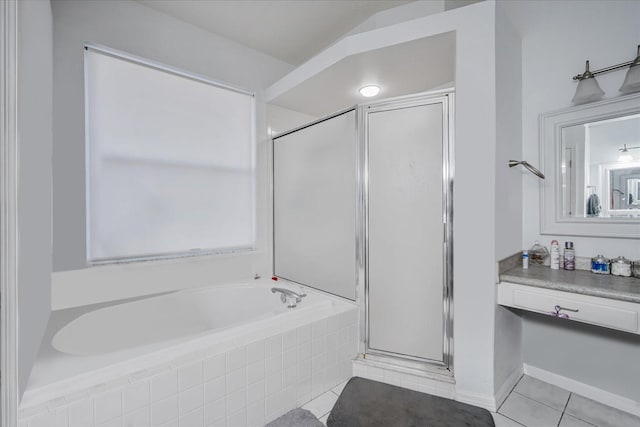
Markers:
{"x": 527, "y": 165}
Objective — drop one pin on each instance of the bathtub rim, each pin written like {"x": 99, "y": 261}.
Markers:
{"x": 177, "y": 293}
{"x": 163, "y": 359}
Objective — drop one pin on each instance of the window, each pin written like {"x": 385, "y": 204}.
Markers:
{"x": 170, "y": 161}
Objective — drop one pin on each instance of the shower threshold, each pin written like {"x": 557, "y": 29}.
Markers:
{"x": 420, "y": 369}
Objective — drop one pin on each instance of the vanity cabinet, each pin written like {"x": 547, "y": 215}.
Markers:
{"x": 596, "y": 310}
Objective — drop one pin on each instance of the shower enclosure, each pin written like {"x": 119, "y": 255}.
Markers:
{"x": 363, "y": 210}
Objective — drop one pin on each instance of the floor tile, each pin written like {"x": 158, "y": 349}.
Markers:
{"x": 322, "y": 404}
{"x": 569, "y": 421}
{"x": 502, "y": 421}
{"x": 599, "y": 414}
{"x": 338, "y": 389}
{"x": 529, "y": 412}
{"x": 543, "y": 392}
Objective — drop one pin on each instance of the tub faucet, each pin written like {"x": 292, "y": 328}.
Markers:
{"x": 290, "y": 298}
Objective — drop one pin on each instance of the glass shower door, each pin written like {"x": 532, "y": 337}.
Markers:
{"x": 408, "y": 195}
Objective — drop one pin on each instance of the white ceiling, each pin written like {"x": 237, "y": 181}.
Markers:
{"x": 401, "y": 69}
{"x": 290, "y": 30}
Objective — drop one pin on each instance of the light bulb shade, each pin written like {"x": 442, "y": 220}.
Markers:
{"x": 625, "y": 157}
{"x": 588, "y": 90}
{"x": 632, "y": 80}
{"x": 369, "y": 91}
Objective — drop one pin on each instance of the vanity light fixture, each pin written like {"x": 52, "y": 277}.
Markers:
{"x": 632, "y": 79}
{"x": 369, "y": 91}
{"x": 588, "y": 89}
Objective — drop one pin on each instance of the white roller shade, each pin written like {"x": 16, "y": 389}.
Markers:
{"x": 170, "y": 162}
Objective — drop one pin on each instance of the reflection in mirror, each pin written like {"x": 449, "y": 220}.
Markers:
{"x": 600, "y": 168}
{"x": 624, "y": 188}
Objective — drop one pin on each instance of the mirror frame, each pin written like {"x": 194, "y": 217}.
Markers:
{"x": 550, "y": 132}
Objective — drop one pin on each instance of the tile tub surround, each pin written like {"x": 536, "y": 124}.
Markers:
{"x": 247, "y": 384}
{"x": 578, "y": 281}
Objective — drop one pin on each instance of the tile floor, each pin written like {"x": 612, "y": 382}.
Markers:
{"x": 532, "y": 403}
{"x": 321, "y": 406}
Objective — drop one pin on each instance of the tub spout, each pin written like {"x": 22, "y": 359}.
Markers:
{"x": 290, "y": 298}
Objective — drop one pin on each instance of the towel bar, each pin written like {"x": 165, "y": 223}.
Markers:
{"x": 527, "y": 165}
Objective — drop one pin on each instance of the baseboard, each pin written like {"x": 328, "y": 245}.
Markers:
{"x": 610, "y": 399}
{"x": 476, "y": 399}
{"x": 491, "y": 403}
{"x": 508, "y": 385}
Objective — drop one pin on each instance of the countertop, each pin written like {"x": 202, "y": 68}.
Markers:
{"x": 577, "y": 281}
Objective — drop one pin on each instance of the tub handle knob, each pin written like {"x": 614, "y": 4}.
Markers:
{"x": 288, "y": 297}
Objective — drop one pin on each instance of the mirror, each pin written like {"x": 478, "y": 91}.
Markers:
{"x": 598, "y": 170}
{"x": 623, "y": 187}
{"x": 591, "y": 157}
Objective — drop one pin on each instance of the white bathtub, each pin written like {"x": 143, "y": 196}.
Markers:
{"x": 178, "y": 316}
{"x": 91, "y": 353}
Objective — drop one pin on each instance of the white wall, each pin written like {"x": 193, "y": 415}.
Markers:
{"x": 35, "y": 67}
{"x": 602, "y": 358}
{"x": 557, "y": 37}
{"x": 282, "y": 119}
{"x": 508, "y": 196}
{"x": 132, "y": 27}
{"x": 474, "y": 218}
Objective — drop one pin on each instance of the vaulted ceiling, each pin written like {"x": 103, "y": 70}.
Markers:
{"x": 290, "y": 30}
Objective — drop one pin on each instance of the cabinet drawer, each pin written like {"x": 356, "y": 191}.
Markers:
{"x": 588, "y": 312}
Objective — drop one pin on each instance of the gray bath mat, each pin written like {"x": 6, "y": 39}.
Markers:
{"x": 366, "y": 403}
{"x": 296, "y": 418}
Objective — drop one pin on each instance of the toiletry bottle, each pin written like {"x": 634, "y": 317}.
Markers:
{"x": 525, "y": 259}
{"x": 569, "y": 256}
{"x": 555, "y": 255}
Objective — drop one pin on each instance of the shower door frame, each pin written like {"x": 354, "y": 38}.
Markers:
{"x": 9, "y": 238}
{"x": 446, "y": 98}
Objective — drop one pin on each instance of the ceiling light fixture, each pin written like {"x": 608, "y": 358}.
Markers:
{"x": 588, "y": 89}
{"x": 626, "y": 156}
{"x": 624, "y": 148}
{"x": 369, "y": 90}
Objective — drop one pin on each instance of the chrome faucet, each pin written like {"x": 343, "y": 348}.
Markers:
{"x": 290, "y": 298}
